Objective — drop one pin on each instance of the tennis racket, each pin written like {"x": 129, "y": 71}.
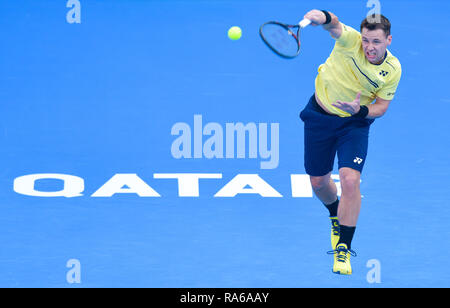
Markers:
{"x": 283, "y": 39}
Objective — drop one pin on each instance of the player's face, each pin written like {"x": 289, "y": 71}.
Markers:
{"x": 375, "y": 43}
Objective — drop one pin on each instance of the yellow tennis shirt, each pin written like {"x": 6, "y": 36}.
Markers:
{"x": 347, "y": 72}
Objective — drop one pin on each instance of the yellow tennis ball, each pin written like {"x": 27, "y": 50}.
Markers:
{"x": 234, "y": 33}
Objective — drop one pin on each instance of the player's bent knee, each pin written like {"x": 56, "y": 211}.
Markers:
{"x": 319, "y": 182}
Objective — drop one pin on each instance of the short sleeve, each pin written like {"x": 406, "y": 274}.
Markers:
{"x": 389, "y": 89}
{"x": 350, "y": 38}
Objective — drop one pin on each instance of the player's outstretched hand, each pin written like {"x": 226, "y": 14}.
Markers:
{"x": 350, "y": 107}
{"x": 317, "y": 17}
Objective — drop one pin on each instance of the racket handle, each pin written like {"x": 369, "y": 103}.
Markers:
{"x": 305, "y": 22}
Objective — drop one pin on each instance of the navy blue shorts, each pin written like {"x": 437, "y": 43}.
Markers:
{"x": 326, "y": 135}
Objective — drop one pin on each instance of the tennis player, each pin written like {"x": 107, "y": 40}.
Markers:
{"x": 353, "y": 87}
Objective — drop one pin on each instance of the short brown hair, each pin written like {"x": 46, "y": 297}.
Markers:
{"x": 383, "y": 24}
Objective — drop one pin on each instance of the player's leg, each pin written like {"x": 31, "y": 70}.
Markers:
{"x": 348, "y": 212}
{"x": 352, "y": 151}
{"x": 350, "y": 203}
{"x": 320, "y": 150}
{"x": 325, "y": 189}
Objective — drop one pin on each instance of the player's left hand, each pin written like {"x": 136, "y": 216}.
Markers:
{"x": 350, "y": 107}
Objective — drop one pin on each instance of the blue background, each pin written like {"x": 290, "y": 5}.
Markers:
{"x": 99, "y": 98}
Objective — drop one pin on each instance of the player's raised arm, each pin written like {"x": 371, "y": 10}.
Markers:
{"x": 328, "y": 20}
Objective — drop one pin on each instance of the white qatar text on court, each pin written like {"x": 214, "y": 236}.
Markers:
{"x": 70, "y": 186}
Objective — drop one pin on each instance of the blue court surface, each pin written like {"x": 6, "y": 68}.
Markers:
{"x": 103, "y": 99}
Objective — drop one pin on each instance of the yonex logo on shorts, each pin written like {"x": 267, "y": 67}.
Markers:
{"x": 358, "y": 160}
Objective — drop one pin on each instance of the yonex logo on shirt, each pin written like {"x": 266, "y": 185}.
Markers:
{"x": 383, "y": 73}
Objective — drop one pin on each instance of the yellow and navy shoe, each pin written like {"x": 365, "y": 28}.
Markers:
{"x": 334, "y": 232}
{"x": 342, "y": 255}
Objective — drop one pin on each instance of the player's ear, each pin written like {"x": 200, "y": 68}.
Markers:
{"x": 389, "y": 39}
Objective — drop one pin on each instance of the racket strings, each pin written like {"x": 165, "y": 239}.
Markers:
{"x": 284, "y": 41}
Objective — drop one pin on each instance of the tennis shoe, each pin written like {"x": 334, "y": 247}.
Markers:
{"x": 342, "y": 255}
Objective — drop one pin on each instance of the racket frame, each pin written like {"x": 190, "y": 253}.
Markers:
{"x": 291, "y": 29}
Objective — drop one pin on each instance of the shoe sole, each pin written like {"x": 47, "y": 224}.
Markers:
{"x": 339, "y": 273}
